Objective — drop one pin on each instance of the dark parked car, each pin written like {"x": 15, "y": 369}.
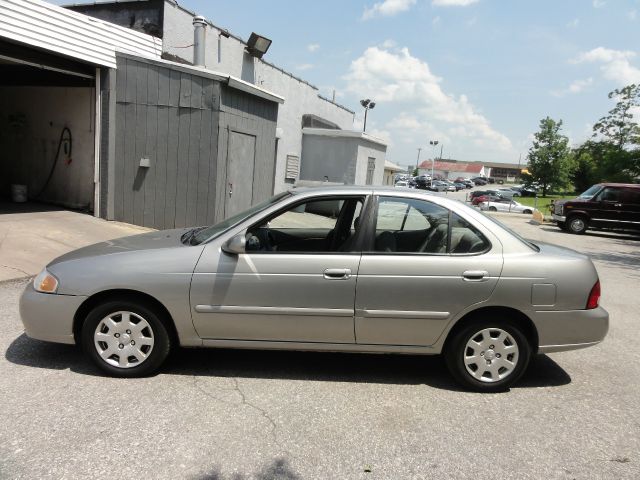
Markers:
{"x": 479, "y": 180}
{"x": 614, "y": 206}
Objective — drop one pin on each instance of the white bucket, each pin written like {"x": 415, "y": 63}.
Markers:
{"x": 18, "y": 193}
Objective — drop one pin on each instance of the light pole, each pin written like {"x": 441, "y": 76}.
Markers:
{"x": 418, "y": 159}
{"x": 433, "y": 162}
{"x": 368, "y": 105}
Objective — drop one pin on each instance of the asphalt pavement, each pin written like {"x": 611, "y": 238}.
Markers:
{"x": 222, "y": 414}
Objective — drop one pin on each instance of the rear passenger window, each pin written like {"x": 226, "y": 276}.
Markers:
{"x": 465, "y": 238}
{"x": 406, "y": 225}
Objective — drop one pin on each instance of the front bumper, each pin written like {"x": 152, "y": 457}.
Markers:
{"x": 48, "y": 316}
{"x": 570, "y": 330}
{"x": 558, "y": 218}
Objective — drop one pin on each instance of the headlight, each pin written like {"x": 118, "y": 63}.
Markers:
{"x": 45, "y": 282}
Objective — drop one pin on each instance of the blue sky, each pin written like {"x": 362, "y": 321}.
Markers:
{"x": 477, "y": 75}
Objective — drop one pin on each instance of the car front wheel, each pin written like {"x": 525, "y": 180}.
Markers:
{"x": 126, "y": 338}
{"x": 577, "y": 224}
{"x": 488, "y": 356}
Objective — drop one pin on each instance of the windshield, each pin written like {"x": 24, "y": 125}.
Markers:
{"x": 215, "y": 230}
{"x": 591, "y": 192}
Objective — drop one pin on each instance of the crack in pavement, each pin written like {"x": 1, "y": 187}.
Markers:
{"x": 243, "y": 401}
{"x": 17, "y": 270}
{"x": 262, "y": 412}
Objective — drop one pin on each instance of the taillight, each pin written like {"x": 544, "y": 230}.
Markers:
{"x": 594, "y": 296}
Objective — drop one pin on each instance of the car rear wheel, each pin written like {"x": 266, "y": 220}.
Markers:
{"x": 126, "y": 338}
{"x": 493, "y": 209}
{"x": 488, "y": 356}
{"x": 527, "y": 212}
{"x": 577, "y": 224}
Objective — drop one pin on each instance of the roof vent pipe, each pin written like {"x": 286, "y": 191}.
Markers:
{"x": 199, "y": 29}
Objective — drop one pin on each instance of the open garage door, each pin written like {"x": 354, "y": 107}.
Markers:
{"x": 47, "y": 127}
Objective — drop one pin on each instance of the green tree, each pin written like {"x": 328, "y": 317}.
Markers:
{"x": 548, "y": 157}
{"x": 583, "y": 168}
{"x": 619, "y": 126}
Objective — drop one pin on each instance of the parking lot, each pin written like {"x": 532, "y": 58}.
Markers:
{"x": 219, "y": 414}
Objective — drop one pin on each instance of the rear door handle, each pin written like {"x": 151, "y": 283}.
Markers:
{"x": 337, "y": 274}
{"x": 475, "y": 275}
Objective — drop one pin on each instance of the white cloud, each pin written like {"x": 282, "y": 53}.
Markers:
{"x": 615, "y": 64}
{"x": 575, "y": 87}
{"x": 387, "y": 8}
{"x": 400, "y": 78}
{"x": 453, "y": 3}
{"x": 304, "y": 66}
{"x": 388, "y": 44}
{"x": 313, "y": 47}
{"x": 599, "y": 3}
{"x": 573, "y": 23}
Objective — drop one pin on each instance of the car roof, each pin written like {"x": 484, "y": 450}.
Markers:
{"x": 632, "y": 185}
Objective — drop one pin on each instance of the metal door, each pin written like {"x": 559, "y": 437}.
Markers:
{"x": 241, "y": 152}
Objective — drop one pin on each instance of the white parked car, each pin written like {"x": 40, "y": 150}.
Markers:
{"x": 401, "y": 183}
{"x": 508, "y": 192}
{"x": 512, "y": 206}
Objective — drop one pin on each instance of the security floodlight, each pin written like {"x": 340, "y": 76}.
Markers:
{"x": 368, "y": 104}
{"x": 258, "y": 45}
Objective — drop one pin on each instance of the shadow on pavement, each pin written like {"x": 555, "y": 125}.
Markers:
{"x": 597, "y": 233}
{"x": 7, "y": 207}
{"x": 318, "y": 366}
{"x": 279, "y": 469}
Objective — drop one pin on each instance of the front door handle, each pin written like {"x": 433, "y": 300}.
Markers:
{"x": 337, "y": 273}
{"x": 475, "y": 275}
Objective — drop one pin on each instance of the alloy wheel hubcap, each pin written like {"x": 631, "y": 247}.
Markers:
{"x": 491, "y": 355}
{"x": 123, "y": 339}
{"x": 577, "y": 224}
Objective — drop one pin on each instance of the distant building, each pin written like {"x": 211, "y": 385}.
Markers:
{"x": 451, "y": 169}
{"x": 390, "y": 171}
{"x": 342, "y": 156}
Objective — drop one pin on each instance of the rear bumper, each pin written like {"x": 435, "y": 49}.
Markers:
{"x": 49, "y": 317}
{"x": 570, "y": 330}
{"x": 558, "y": 218}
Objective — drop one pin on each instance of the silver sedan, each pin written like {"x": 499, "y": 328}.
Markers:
{"x": 352, "y": 269}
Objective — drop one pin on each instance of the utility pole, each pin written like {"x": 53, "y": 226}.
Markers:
{"x": 418, "y": 159}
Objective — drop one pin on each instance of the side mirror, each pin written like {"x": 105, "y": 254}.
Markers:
{"x": 235, "y": 245}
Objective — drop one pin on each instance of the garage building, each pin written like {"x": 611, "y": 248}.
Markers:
{"x": 92, "y": 118}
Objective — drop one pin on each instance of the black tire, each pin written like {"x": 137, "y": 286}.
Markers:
{"x": 527, "y": 212}
{"x": 577, "y": 224}
{"x": 456, "y": 348}
{"x": 157, "y": 331}
{"x": 562, "y": 225}
{"x": 493, "y": 209}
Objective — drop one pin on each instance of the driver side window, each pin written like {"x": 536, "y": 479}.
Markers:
{"x": 314, "y": 226}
